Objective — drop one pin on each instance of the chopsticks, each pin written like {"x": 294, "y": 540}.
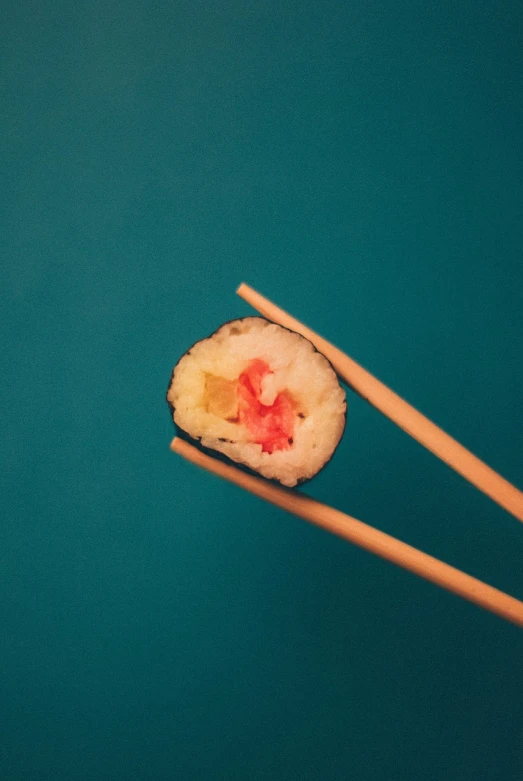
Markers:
{"x": 364, "y": 536}
{"x": 398, "y": 410}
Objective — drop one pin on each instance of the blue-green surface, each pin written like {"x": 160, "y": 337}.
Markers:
{"x": 361, "y": 164}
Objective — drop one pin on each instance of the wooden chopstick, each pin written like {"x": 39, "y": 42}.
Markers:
{"x": 398, "y": 410}
{"x": 364, "y": 536}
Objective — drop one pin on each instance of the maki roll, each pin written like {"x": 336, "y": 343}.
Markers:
{"x": 262, "y": 396}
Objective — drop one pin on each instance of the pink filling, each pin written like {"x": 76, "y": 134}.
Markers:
{"x": 270, "y": 426}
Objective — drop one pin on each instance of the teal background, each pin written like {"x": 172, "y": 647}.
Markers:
{"x": 359, "y": 163}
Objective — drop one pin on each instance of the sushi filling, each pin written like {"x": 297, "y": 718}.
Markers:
{"x": 269, "y": 425}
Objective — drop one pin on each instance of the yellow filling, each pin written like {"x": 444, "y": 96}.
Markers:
{"x": 221, "y": 397}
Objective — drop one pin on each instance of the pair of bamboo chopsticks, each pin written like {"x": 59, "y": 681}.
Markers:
{"x": 421, "y": 429}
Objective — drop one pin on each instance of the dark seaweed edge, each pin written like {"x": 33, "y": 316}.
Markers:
{"x": 196, "y": 441}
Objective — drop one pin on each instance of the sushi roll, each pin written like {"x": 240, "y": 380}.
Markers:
{"x": 262, "y": 396}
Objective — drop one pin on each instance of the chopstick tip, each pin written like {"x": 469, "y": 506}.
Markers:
{"x": 241, "y": 288}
